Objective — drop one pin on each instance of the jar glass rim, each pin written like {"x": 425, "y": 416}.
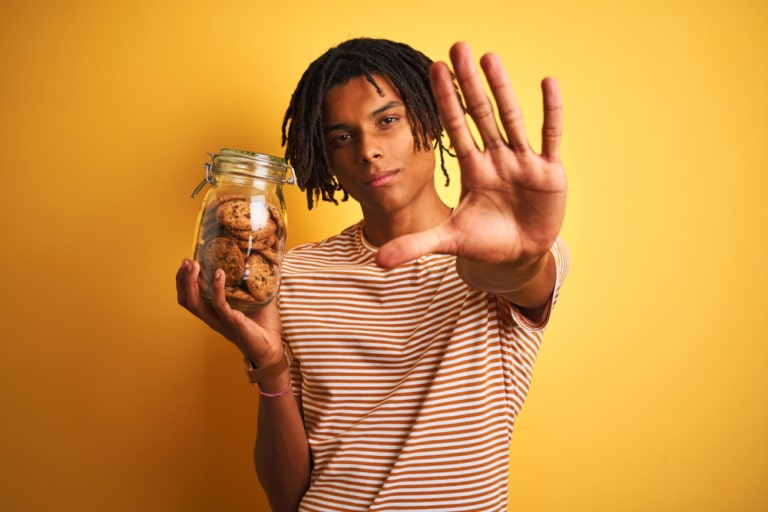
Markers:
{"x": 250, "y": 163}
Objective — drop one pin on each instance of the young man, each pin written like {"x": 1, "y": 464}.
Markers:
{"x": 414, "y": 331}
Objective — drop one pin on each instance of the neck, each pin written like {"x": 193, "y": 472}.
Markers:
{"x": 381, "y": 228}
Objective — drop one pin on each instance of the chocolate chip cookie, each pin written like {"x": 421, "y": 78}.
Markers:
{"x": 261, "y": 278}
{"x": 223, "y": 253}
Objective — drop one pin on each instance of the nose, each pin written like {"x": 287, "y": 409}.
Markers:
{"x": 370, "y": 148}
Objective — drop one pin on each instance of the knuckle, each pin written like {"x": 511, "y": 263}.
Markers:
{"x": 480, "y": 110}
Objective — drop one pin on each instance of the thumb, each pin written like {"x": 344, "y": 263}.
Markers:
{"x": 414, "y": 245}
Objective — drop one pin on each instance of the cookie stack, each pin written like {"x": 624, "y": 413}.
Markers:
{"x": 243, "y": 236}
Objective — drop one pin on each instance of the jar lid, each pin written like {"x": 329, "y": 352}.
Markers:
{"x": 252, "y": 155}
{"x": 262, "y": 165}
{"x": 249, "y": 164}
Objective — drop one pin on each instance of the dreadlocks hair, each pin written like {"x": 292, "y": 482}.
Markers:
{"x": 302, "y": 129}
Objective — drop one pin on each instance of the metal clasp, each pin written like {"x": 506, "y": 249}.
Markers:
{"x": 208, "y": 177}
{"x": 291, "y": 179}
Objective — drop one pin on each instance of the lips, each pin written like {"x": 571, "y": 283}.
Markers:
{"x": 380, "y": 178}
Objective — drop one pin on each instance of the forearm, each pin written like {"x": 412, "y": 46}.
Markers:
{"x": 281, "y": 454}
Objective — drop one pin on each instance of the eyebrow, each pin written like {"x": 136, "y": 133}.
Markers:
{"x": 380, "y": 110}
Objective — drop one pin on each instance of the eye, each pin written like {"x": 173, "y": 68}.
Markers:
{"x": 389, "y": 120}
{"x": 340, "y": 139}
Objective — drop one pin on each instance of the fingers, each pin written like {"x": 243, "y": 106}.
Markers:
{"x": 186, "y": 282}
{"x": 481, "y": 109}
{"x": 479, "y": 105}
{"x": 409, "y": 247}
{"x": 188, "y": 294}
{"x": 552, "y": 128}
{"x": 477, "y": 102}
{"x": 509, "y": 110}
{"x": 451, "y": 111}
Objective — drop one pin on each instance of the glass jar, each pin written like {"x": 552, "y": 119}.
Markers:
{"x": 241, "y": 226}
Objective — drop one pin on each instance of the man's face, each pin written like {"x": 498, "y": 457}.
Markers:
{"x": 371, "y": 149}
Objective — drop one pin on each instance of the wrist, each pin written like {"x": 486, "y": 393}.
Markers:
{"x": 279, "y": 386}
{"x": 258, "y": 374}
{"x": 501, "y": 278}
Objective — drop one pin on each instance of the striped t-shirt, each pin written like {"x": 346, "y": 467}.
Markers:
{"x": 410, "y": 380}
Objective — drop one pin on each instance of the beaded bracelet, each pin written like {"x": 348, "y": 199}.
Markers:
{"x": 279, "y": 393}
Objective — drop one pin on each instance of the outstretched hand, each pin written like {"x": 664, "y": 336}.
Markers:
{"x": 512, "y": 200}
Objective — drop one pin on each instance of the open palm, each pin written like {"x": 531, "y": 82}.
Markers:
{"x": 512, "y": 200}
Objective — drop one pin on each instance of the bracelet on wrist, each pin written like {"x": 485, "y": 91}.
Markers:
{"x": 279, "y": 393}
{"x": 256, "y": 375}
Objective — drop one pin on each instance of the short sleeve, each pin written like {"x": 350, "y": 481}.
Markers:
{"x": 561, "y": 255}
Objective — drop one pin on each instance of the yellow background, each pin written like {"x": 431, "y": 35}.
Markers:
{"x": 650, "y": 393}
